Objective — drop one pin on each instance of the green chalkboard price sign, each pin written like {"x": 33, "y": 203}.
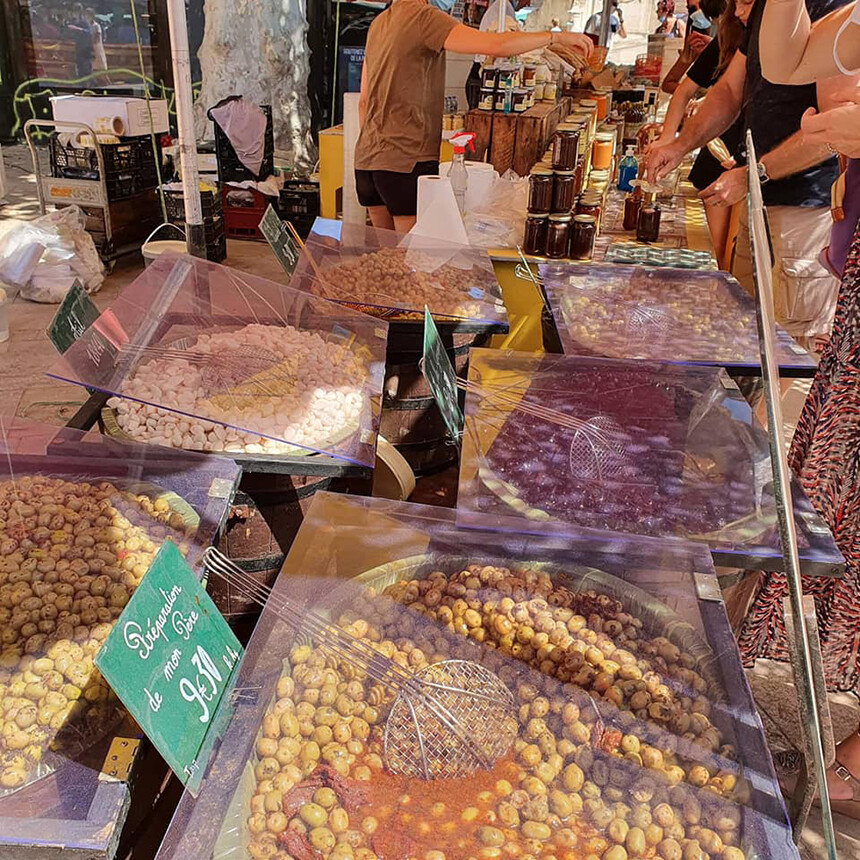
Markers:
{"x": 440, "y": 376}
{"x": 170, "y": 658}
{"x": 283, "y": 240}
{"x": 76, "y": 314}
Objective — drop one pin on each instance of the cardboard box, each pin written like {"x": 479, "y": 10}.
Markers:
{"x": 103, "y": 113}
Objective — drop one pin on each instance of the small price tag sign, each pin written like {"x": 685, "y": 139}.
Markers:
{"x": 283, "y": 240}
{"x": 440, "y": 376}
{"x": 74, "y": 316}
{"x": 169, "y": 658}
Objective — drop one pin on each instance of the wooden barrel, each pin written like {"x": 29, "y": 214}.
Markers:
{"x": 265, "y": 516}
{"x": 411, "y": 420}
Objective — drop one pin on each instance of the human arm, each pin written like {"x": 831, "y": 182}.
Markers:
{"x": 795, "y": 154}
{"x": 693, "y": 48}
{"x": 677, "y": 109}
{"x": 622, "y": 33}
{"x": 717, "y": 112}
{"x": 796, "y": 51}
{"x": 465, "y": 40}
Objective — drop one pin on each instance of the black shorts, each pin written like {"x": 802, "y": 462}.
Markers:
{"x": 397, "y": 192}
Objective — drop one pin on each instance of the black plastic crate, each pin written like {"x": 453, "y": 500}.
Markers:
{"x": 130, "y": 166}
{"x": 299, "y": 198}
{"x": 230, "y": 168}
{"x": 210, "y": 203}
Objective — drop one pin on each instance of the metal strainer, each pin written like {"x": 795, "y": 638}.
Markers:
{"x": 598, "y": 450}
{"x": 449, "y": 720}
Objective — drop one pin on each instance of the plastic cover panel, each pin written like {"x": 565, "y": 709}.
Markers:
{"x": 660, "y": 314}
{"x": 639, "y": 447}
{"x": 566, "y": 616}
{"x": 392, "y": 275}
{"x": 203, "y": 357}
{"x": 83, "y": 518}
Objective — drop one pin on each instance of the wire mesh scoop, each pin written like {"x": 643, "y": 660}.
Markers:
{"x": 597, "y": 450}
{"x": 448, "y": 720}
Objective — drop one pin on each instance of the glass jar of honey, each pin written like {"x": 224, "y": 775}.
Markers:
{"x": 534, "y": 240}
{"x": 582, "y": 234}
{"x": 565, "y": 147}
{"x": 563, "y": 196}
{"x": 540, "y": 191}
{"x": 648, "y": 223}
{"x": 558, "y": 236}
{"x": 601, "y": 150}
{"x": 632, "y": 205}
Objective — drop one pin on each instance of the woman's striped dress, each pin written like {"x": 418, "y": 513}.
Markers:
{"x": 825, "y": 456}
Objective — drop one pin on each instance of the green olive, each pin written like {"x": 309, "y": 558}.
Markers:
{"x": 732, "y": 853}
{"x": 669, "y": 849}
{"x": 491, "y": 836}
{"x": 325, "y": 797}
{"x": 338, "y": 820}
{"x": 313, "y": 814}
{"x": 573, "y": 777}
{"x": 618, "y": 830}
{"x": 369, "y": 824}
{"x": 535, "y": 830}
{"x": 616, "y": 852}
{"x": 560, "y": 803}
{"x": 341, "y": 851}
{"x": 635, "y": 842}
{"x": 322, "y": 839}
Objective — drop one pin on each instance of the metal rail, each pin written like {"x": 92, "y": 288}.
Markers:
{"x": 810, "y": 683}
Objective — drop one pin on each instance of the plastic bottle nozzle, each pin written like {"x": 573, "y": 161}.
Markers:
{"x": 462, "y": 140}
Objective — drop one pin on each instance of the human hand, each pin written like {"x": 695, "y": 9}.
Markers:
{"x": 695, "y": 45}
{"x": 729, "y": 189}
{"x": 838, "y": 128}
{"x": 577, "y": 42}
{"x": 662, "y": 160}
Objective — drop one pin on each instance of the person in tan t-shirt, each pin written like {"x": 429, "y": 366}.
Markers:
{"x": 402, "y": 97}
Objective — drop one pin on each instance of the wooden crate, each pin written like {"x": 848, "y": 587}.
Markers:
{"x": 481, "y": 123}
{"x": 504, "y": 141}
{"x": 535, "y": 129}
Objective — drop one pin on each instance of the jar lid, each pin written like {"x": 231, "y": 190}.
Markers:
{"x": 599, "y": 174}
{"x": 588, "y": 102}
{"x": 605, "y": 135}
{"x": 590, "y": 199}
{"x": 559, "y": 217}
{"x": 584, "y": 219}
{"x": 537, "y": 170}
{"x": 540, "y": 215}
{"x": 564, "y": 172}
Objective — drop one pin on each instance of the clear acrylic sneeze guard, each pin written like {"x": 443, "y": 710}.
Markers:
{"x": 639, "y": 447}
{"x": 393, "y": 276}
{"x": 661, "y": 314}
{"x": 203, "y": 357}
{"x": 80, "y": 521}
{"x": 630, "y": 726}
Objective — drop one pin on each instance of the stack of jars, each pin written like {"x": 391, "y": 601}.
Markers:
{"x": 553, "y": 227}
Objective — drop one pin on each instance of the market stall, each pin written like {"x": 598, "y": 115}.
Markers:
{"x": 586, "y": 754}
{"x": 634, "y": 446}
{"x": 82, "y": 519}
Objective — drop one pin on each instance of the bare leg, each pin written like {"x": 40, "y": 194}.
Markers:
{"x": 718, "y": 226}
{"x": 404, "y": 223}
{"x": 380, "y": 217}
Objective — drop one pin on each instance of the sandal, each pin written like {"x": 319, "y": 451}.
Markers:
{"x": 849, "y": 808}
{"x": 788, "y": 770}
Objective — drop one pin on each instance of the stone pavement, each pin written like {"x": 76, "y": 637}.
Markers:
{"x": 26, "y": 391}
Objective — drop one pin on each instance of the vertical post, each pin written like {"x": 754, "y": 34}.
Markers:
{"x": 605, "y": 21}
{"x": 503, "y": 13}
{"x": 194, "y": 235}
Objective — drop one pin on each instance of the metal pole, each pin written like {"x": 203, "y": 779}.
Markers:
{"x": 194, "y": 234}
{"x": 782, "y": 486}
{"x": 605, "y": 21}
{"x": 503, "y": 13}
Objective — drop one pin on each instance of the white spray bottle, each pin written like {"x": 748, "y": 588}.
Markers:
{"x": 459, "y": 176}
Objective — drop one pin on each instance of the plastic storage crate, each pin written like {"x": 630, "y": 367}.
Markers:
{"x": 299, "y": 203}
{"x": 230, "y": 168}
{"x": 130, "y": 166}
{"x": 213, "y": 220}
{"x": 243, "y": 210}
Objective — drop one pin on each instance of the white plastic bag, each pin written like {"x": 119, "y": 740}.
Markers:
{"x": 40, "y": 257}
{"x": 500, "y": 221}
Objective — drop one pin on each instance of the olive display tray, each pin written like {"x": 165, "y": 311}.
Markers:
{"x": 763, "y": 827}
